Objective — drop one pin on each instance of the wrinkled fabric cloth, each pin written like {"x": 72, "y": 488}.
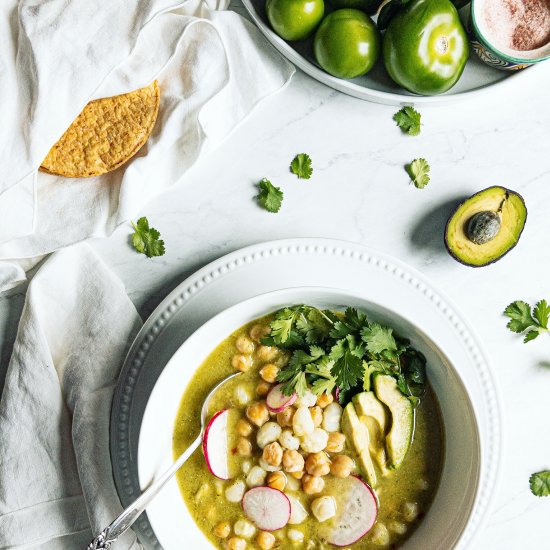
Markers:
{"x": 56, "y": 482}
{"x": 213, "y": 67}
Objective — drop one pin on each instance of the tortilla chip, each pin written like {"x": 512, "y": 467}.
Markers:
{"x": 107, "y": 133}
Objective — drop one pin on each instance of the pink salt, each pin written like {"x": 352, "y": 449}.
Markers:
{"x": 518, "y": 24}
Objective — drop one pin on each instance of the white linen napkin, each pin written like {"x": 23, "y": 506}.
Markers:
{"x": 56, "y": 483}
{"x": 213, "y": 67}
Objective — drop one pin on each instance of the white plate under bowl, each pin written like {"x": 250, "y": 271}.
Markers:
{"x": 385, "y": 285}
{"x": 478, "y": 78}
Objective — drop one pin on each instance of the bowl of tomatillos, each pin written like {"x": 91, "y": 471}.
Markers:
{"x": 423, "y": 44}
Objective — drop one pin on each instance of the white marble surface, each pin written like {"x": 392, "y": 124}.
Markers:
{"x": 360, "y": 192}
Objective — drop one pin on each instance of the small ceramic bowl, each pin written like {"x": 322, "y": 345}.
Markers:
{"x": 505, "y": 59}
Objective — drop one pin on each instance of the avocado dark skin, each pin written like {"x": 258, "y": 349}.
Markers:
{"x": 471, "y": 235}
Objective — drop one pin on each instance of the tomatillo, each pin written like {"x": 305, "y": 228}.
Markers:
{"x": 295, "y": 19}
{"x": 347, "y": 44}
{"x": 425, "y": 47}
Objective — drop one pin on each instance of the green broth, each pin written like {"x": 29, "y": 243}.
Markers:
{"x": 415, "y": 482}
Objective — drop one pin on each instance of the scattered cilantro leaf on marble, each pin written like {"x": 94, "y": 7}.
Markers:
{"x": 408, "y": 119}
{"x": 146, "y": 239}
{"x": 540, "y": 484}
{"x": 301, "y": 166}
{"x": 523, "y": 318}
{"x": 270, "y": 197}
{"x": 419, "y": 172}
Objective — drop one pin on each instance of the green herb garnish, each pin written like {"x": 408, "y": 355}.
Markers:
{"x": 408, "y": 119}
{"x": 540, "y": 484}
{"x": 146, "y": 240}
{"x": 301, "y": 166}
{"x": 522, "y": 318}
{"x": 419, "y": 172}
{"x": 270, "y": 197}
{"x": 332, "y": 350}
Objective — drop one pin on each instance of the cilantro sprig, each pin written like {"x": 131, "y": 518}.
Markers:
{"x": 532, "y": 322}
{"x": 408, "y": 119}
{"x": 146, "y": 240}
{"x": 540, "y": 484}
{"x": 341, "y": 350}
{"x": 419, "y": 172}
{"x": 270, "y": 197}
{"x": 301, "y": 166}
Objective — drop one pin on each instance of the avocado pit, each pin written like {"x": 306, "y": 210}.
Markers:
{"x": 483, "y": 227}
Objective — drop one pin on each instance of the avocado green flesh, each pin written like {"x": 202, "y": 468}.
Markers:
{"x": 358, "y": 433}
{"x": 399, "y": 438}
{"x": 513, "y": 217}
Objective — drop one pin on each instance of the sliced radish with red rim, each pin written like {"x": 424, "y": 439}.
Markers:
{"x": 277, "y": 401}
{"x": 215, "y": 445}
{"x": 267, "y": 508}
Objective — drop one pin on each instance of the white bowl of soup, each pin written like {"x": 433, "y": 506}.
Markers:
{"x": 429, "y": 502}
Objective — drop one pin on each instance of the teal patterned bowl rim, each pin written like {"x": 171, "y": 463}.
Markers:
{"x": 506, "y": 57}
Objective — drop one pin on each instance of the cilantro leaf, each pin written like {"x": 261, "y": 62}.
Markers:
{"x": 522, "y": 318}
{"x": 355, "y": 319}
{"x": 347, "y": 355}
{"x": 379, "y": 339}
{"x": 301, "y": 166}
{"x": 146, "y": 240}
{"x": 540, "y": 484}
{"x": 419, "y": 172}
{"x": 270, "y": 197}
{"x": 313, "y": 324}
{"x": 281, "y": 326}
{"x": 408, "y": 119}
{"x": 325, "y": 381}
{"x": 293, "y": 375}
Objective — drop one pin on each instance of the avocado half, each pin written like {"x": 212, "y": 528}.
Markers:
{"x": 512, "y": 211}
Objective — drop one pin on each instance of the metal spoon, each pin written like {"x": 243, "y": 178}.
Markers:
{"x": 123, "y": 522}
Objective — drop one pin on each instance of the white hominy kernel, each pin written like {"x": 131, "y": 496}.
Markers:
{"x": 314, "y": 442}
{"x": 380, "y": 535}
{"x": 218, "y": 485}
{"x": 268, "y": 467}
{"x": 308, "y": 400}
{"x": 244, "y": 344}
{"x": 298, "y": 513}
{"x": 268, "y": 433}
{"x": 246, "y": 466}
{"x": 295, "y": 536}
{"x": 292, "y": 484}
{"x": 397, "y": 527}
{"x": 244, "y": 529}
{"x": 302, "y": 423}
{"x": 331, "y": 418}
{"x": 235, "y": 492}
{"x": 242, "y": 396}
{"x": 410, "y": 511}
{"x": 288, "y": 441}
{"x": 423, "y": 484}
{"x": 203, "y": 490}
{"x": 323, "y": 508}
{"x": 256, "y": 477}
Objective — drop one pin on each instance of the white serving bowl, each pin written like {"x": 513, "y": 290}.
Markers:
{"x": 450, "y": 373}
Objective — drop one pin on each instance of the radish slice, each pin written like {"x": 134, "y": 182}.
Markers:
{"x": 267, "y": 508}
{"x": 357, "y": 509}
{"x": 214, "y": 445}
{"x": 277, "y": 401}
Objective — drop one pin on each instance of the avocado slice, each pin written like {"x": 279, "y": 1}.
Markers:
{"x": 399, "y": 438}
{"x": 486, "y": 226}
{"x": 358, "y": 433}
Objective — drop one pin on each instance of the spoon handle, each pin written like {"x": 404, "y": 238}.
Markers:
{"x": 127, "y": 518}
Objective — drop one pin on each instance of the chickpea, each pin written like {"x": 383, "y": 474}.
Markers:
{"x": 317, "y": 464}
{"x": 243, "y": 428}
{"x": 222, "y": 530}
{"x": 302, "y": 423}
{"x": 311, "y": 485}
{"x": 265, "y": 540}
{"x": 336, "y": 442}
{"x": 297, "y": 475}
{"x": 410, "y": 511}
{"x": 289, "y": 441}
{"x": 277, "y": 480}
{"x": 268, "y": 433}
{"x": 284, "y": 418}
{"x": 314, "y": 442}
{"x": 257, "y": 332}
{"x": 241, "y": 362}
{"x": 236, "y": 543}
{"x": 258, "y": 413}
{"x": 293, "y": 461}
{"x": 269, "y": 372}
{"x": 244, "y": 447}
{"x": 341, "y": 466}
{"x": 244, "y": 345}
{"x": 266, "y": 353}
{"x": 316, "y": 415}
{"x": 262, "y": 389}
{"x": 323, "y": 508}
{"x": 324, "y": 400}
{"x": 273, "y": 454}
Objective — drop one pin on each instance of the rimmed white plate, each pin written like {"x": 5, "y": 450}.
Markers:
{"x": 478, "y": 78}
{"x": 293, "y": 263}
